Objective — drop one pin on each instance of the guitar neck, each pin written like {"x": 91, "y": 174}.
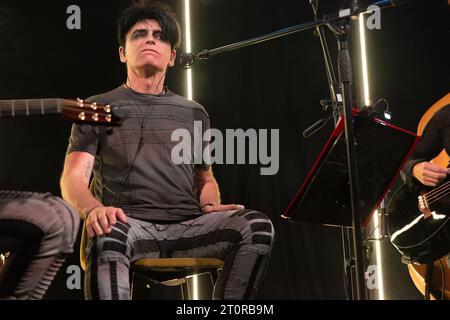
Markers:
{"x": 28, "y": 107}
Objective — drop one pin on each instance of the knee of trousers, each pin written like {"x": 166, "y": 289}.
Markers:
{"x": 110, "y": 246}
{"x": 61, "y": 224}
{"x": 257, "y": 230}
{"x": 57, "y": 221}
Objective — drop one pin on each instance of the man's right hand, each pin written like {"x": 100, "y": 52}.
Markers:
{"x": 100, "y": 220}
{"x": 429, "y": 174}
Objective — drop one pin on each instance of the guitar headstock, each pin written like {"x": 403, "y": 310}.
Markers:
{"x": 83, "y": 112}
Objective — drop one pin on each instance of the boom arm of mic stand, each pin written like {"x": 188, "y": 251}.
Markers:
{"x": 206, "y": 54}
{"x": 390, "y": 3}
{"x": 326, "y": 19}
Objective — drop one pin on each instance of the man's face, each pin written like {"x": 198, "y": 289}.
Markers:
{"x": 145, "y": 47}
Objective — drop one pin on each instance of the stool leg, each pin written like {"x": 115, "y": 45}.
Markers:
{"x": 182, "y": 292}
{"x": 185, "y": 294}
{"x": 213, "y": 275}
{"x": 131, "y": 284}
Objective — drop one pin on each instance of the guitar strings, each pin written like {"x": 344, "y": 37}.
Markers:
{"x": 100, "y": 113}
{"x": 438, "y": 189}
{"x": 440, "y": 196}
{"x": 37, "y": 103}
{"x": 8, "y": 103}
{"x": 439, "y": 193}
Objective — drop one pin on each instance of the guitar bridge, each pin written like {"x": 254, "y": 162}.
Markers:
{"x": 423, "y": 205}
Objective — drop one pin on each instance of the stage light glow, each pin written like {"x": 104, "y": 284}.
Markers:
{"x": 375, "y": 220}
{"x": 379, "y": 278}
{"x": 365, "y": 72}
{"x": 387, "y": 115}
{"x": 188, "y": 48}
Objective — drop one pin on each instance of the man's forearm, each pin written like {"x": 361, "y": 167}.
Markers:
{"x": 78, "y": 195}
{"x": 209, "y": 193}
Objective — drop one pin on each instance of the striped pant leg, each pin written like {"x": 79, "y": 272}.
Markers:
{"x": 243, "y": 239}
{"x": 109, "y": 258}
{"x": 39, "y": 231}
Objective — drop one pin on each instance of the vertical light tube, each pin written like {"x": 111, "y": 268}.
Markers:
{"x": 365, "y": 73}
{"x": 188, "y": 48}
{"x": 376, "y": 222}
{"x": 379, "y": 278}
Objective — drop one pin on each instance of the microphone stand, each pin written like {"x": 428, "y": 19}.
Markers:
{"x": 335, "y": 100}
{"x": 336, "y": 103}
{"x": 339, "y": 23}
{"x": 345, "y": 78}
{"x": 334, "y": 87}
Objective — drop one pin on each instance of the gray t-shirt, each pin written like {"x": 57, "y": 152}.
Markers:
{"x": 133, "y": 167}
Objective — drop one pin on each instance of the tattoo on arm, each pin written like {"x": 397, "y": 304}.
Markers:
{"x": 88, "y": 168}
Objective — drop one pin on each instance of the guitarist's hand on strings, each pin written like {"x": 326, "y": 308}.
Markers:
{"x": 429, "y": 174}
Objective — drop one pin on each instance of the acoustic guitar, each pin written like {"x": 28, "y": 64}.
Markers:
{"x": 419, "y": 223}
{"x": 77, "y": 111}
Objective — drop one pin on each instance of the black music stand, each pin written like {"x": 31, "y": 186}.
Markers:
{"x": 324, "y": 196}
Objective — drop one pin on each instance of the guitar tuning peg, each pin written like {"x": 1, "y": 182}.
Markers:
{"x": 108, "y": 108}
{"x": 94, "y": 106}
{"x": 95, "y": 117}
{"x": 82, "y": 116}
{"x": 80, "y": 102}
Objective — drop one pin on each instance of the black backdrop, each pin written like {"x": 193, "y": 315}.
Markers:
{"x": 276, "y": 85}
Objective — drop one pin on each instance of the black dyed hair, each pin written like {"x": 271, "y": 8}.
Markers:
{"x": 150, "y": 10}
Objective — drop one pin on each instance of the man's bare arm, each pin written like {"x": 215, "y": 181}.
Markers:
{"x": 207, "y": 188}
{"x": 75, "y": 182}
{"x": 75, "y": 190}
{"x": 208, "y": 192}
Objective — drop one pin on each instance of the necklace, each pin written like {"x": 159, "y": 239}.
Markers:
{"x": 164, "y": 90}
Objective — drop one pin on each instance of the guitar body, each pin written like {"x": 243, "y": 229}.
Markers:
{"x": 437, "y": 246}
{"x": 418, "y": 272}
{"x": 419, "y": 239}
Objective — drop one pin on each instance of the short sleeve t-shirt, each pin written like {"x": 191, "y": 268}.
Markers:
{"x": 134, "y": 168}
